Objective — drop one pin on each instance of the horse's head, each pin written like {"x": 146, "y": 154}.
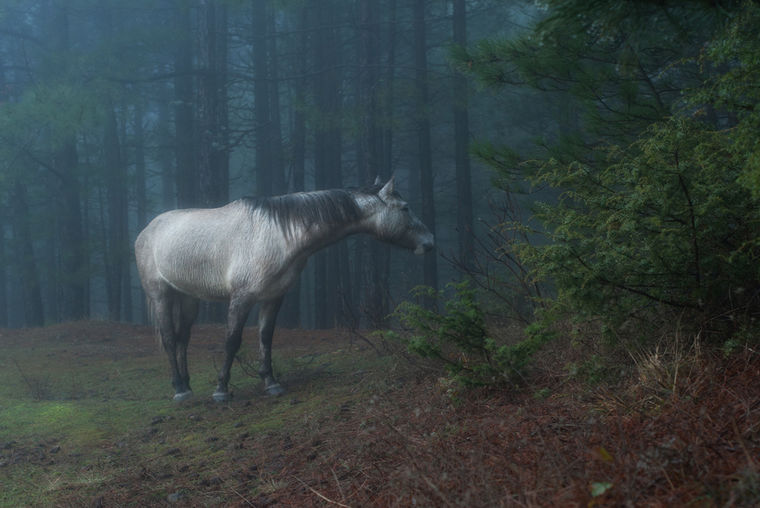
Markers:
{"x": 392, "y": 221}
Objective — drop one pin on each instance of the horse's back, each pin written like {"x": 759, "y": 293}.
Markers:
{"x": 212, "y": 253}
{"x": 190, "y": 249}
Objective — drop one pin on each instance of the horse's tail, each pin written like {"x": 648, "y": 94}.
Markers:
{"x": 176, "y": 317}
{"x": 153, "y": 318}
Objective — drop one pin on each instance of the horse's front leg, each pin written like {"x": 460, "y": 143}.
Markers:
{"x": 236, "y": 316}
{"x": 267, "y": 318}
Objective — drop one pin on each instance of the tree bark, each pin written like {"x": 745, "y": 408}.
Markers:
{"x": 116, "y": 190}
{"x": 371, "y": 258}
{"x": 24, "y": 252}
{"x": 3, "y": 279}
{"x": 213, "y": 161}
{"x": 330, "y": 264}
{"x": 186, "y": 171}
{"x": 74, "y": 274}
{"x": 430, "y": 264}
{"x": 461, "y": 144}
{"x": 261, "y": 100}
{"x": 140, "y": 187}
{"x": 291, "y": 309}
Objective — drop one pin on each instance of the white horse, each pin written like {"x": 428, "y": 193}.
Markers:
{"x": 251, "y": 251}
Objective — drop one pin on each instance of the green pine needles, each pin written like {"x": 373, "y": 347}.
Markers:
{"x": 458, "y": 340}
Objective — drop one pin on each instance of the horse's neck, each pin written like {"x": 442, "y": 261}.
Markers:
{"x": 320, "y": 235}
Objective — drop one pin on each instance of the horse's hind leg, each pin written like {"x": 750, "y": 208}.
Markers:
{"x": 267, "y": 318}
{"x": 188, "y": 311}
{"x": 163, "y": 305}
{"x": 236, "y": 316}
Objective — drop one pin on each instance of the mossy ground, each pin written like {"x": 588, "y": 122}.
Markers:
{"x": 87, "y": 412}
{"x": 86, "y": 419}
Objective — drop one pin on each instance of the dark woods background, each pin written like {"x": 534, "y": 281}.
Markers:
{"x": 587, "y": 159}
{"x": 114, "y": 111}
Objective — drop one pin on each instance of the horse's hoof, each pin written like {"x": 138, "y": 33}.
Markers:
{"x": 221, "y": 396}
{"x": 179, "y": 397}
{"x": 275, "y": 390}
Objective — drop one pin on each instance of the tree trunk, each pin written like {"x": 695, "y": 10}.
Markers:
{"x": 430, "y": 270}
{"x": 461, "y": 144}
{"x": 167, "y": 155}
{"x": 74, "y": 274}
{"x": 261, "y": 100}
{"x": 73, "y": 250}
{"x": 221, "y": 155}
{"x": 213, "y": 162}
{"x": 291, "y": 310}
{"x": 3, "y": 280}
{"x": 141, "y": 187}
{"x": 24, "y": 252}
{"x": 370, "y": 260}
{"x": 329, "y": 295}
{"x": 186, "y": 173}
{"x": 116, "y": 190}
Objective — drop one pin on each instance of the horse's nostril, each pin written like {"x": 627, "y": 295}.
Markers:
{"x": 423, "y": 247}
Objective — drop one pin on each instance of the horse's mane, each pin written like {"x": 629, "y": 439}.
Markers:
{"x": 334, "y": 207}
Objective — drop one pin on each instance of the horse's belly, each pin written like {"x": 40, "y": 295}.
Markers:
{"x": 198, "y": 276}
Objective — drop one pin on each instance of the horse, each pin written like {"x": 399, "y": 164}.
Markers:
{"x": 251, "y": 251}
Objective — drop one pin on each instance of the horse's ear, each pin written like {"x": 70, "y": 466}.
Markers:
{"x": 387, "y": 189}
{"x": 377, "y": 180}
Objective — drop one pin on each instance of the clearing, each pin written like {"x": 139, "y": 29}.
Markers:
{"x": 86, "y": 419}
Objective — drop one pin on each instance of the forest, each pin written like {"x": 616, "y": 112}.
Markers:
{"x": 601, "y": 153}
{"x": 114, "y": 112}
{"x": 585, "y": 331}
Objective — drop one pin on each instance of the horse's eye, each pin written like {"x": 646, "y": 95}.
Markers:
{"x": 405, "y": 208}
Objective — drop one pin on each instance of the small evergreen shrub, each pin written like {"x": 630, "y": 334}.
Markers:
{"x": 458, "y": 339}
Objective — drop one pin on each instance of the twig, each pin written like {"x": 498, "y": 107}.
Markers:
{"x": 320, "y": 495}
{"x": 741, "y": 443}
{"x": 337, "y": 482}
{"x": 241, "y": 496}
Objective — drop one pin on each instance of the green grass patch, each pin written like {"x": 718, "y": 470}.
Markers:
{"x": 85, "y": 417}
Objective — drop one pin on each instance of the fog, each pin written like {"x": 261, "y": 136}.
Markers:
{"x": 116, "y": 112}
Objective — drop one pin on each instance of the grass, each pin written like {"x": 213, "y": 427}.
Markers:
{"x": 86, "y": 418}
{"x": 87, "y": 413}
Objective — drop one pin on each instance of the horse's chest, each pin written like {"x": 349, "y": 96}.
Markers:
{"x": 271, "y": 278}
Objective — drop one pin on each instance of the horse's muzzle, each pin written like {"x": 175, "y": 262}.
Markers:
{"x": 424, "y": 247}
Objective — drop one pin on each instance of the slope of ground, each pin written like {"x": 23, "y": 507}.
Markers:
{"x": 86, "y": 418}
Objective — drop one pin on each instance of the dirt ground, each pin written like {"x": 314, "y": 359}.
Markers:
{"x": 87, "y": 420}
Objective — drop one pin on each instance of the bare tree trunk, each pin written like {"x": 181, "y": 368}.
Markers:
{"x": 329, "y": 294}
{"x": 73, "y": 250}
{"x": 277, "y": 165}
{"x": 3, "y": 279}
{"x": 186, "y": 175}
{"x": 291, "y": 310}
{"x": 370, "y": 260}
{"x": 430, "y": 269}
{"x": 24, "y": 253}
{"x": 221, "y": 155}
{"x": 117, "y": 244}
{"x": 211, "y": 112}
{"x": 166, "y": 153}
{"x": 5, "y": 213}
{"x": 461, "y": 144}
{"x": 65, "y": 160}
{"x": 141, "y": 186}
{"x": 115, "y": 173}
{"x": 213, "y": 160}
{"x": 261, "y": 100}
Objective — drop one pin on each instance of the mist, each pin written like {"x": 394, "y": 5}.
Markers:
{"x": 116, "y": 112}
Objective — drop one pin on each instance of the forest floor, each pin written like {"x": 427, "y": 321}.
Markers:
{"x": 86, "y": 419}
